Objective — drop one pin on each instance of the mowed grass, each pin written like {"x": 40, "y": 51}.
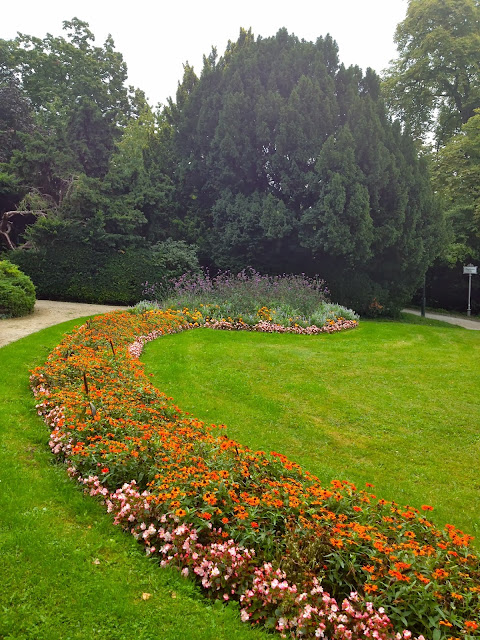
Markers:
{"x": 66, "y": 572}
{"x": 395, "y": 404}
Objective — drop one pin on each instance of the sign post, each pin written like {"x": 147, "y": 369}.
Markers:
{"x": 469, "y": 270}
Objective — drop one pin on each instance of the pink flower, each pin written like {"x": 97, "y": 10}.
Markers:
{"x": 244, "y": 615}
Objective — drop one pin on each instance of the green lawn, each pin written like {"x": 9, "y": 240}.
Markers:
{"x": 66, "y": 572}
{"x": 391, "y": 403}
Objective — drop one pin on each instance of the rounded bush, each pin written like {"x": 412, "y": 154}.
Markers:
{"x": 17, "y": 292}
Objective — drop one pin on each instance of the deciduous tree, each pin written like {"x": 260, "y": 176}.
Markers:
{"x": 434, "y": 84}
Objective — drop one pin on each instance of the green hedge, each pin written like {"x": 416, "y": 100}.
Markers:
{"x": 17, "y": 293}
{"x": 76, "y": 272}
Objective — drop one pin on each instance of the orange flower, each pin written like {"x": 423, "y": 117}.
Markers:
{"x": 439, "y": 574}
{"x": 369, "y": 568}
{"x": 422, "y": 578}
{"x": 369, "y": 588}
{"x": 471, "y": 625}
{"x": 336, "y": 543}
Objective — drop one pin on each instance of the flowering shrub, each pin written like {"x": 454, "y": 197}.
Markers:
{"x": 225, "y": 514}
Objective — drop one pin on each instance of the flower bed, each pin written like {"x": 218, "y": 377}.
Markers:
{"x": 306, "y": 560}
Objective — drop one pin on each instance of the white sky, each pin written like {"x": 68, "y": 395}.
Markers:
{"x": 157, "y": 37}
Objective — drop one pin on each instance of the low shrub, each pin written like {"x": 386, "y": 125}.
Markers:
{"x": 77, "y": 272}
{"x": 17, "y": 292}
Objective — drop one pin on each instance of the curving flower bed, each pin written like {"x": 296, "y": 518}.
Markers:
{"x": 306, "y": 560}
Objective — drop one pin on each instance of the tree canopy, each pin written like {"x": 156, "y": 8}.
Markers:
{"x": 457, "y": 177}
{"x": 276, "y": 156}
{"x": 434, "y": 84}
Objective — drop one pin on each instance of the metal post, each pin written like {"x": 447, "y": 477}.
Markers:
{"x": 470, "y": 269}
{"x": 424, "y": 296}
{"x": 469, "y": 311}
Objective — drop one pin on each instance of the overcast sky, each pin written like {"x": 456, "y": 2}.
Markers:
{"x": 157, "y": 37}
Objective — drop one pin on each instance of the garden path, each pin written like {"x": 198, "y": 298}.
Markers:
{"x": 466, "y": 323}
{"x": 45, "y": 314}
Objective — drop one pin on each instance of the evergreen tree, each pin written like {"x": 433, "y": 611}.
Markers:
{"x": 288, "y": 159}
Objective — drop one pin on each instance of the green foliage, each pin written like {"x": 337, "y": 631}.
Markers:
{"x": 434, "y": 85}
{"x": 15, "y": 115}
{"x": 76, "y": 89}
{"x": 277, "y": 157}
{"x": 17, "y": 293}
{"x": 457, "y": 177}
{"x": 67, "y": 104}
{"x": 78, "y": 272}
{"x": 317, "y": 181}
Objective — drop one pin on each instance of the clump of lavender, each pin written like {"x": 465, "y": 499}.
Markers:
{"x": 248, "y": 290}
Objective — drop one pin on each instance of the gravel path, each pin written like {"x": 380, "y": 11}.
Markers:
{"x": 46, "y": 314}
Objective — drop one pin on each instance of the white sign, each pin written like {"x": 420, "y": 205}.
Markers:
{"x": 470, "y": 269}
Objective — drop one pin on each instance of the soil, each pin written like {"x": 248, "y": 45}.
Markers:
{"x": 45, "y": 314}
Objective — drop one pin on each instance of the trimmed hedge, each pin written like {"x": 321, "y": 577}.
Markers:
{"x": 77, "y": 272}
{"x": 17, "y": 293}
